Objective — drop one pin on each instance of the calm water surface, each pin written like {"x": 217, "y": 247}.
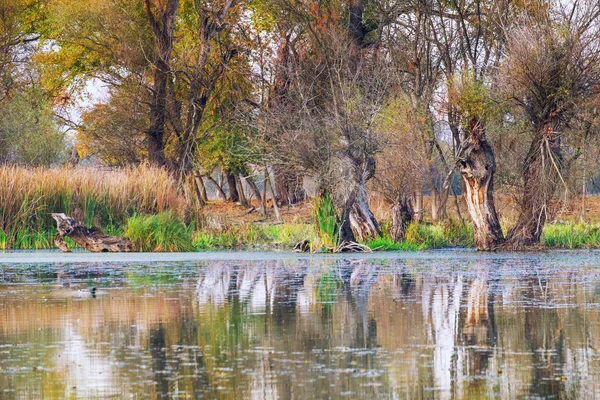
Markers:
{"x": 439, "y": 325}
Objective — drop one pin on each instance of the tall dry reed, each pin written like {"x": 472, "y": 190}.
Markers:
{"x": 100, "y": 197}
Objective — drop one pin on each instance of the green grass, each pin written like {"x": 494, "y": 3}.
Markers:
{"x": 161, "y": 232}
{"x": 388, "y": 244}
{"x": 327, "y": 221}
{"x": 571, "y": 236}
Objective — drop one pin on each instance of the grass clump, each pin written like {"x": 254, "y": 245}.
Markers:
{"x": 571, "y": 236}
{"x": 388, "y": 244}
{"x": 161, "y": 232}
{"x": 327, "y": 221}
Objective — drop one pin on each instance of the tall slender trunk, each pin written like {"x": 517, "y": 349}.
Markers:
{"x": 435, "y": 198}
{"x": 543, "y": 168}
{"x": 253, "y": 187}
{"x": 240, "y": 189}
{"x": 163, "y": 27}
{"x": 269, "y": 186}
{"x": 419, "y": 205}
{"x": 477, "y": 167}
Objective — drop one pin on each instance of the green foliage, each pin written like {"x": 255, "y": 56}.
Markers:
{"x": 571, "y": 236}
{"x": 162, "y": 232}
{"x": 327, "y": 221}
{"x": 470, "y": 96}
{"x": 28, "y": 133}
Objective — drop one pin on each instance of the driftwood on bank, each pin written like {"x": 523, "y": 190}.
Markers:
{"x": 90, "y": 239}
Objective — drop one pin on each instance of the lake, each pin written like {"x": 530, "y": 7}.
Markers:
{"x": 241, "y": 325}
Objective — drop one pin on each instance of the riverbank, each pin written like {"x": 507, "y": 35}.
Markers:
{"x": 146, "y": 205}
{"x": 166, "y": 233}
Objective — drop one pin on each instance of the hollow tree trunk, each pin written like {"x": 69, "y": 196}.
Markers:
{"x": 540, "y": 179}
{"x": 402, "y": 215}
{"x": 90, "y": 239}
{"x": 362, "y": 220}
{"x": 477, "y": 167}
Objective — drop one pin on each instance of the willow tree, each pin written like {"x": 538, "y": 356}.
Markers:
{"x": 550, "y": 72}
{"x": 338, "y": 84}
{"x": 468, "y": 37}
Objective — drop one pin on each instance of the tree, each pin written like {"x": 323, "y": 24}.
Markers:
{"x": 550, "y": 72}
{"x": 29, "y": 133}
{"x": 338, "y": 85}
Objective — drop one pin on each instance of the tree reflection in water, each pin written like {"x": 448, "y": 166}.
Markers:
{"x": 411, "y": 327}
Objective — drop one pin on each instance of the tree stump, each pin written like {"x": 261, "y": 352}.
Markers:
{"x": 90, "y": 239}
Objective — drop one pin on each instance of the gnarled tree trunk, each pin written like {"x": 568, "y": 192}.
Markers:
{"x": 477, "y": 165}
{"x": 90, "y": 239}
{"x": 402, "y": 215}
{"x": 362, "y": 220}
{"x": 543, "y": 166}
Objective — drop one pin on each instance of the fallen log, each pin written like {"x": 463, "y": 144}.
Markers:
{"x": 90, "y": 239}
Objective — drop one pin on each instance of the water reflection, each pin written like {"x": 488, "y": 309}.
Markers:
{"x": 438, "y": 327}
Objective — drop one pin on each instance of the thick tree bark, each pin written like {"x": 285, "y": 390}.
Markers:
{"x": 90, "y": 239}
{"x": 477, "y": 165}
{"x": 543, "y": 165}
{"x": 402, "y": 215}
